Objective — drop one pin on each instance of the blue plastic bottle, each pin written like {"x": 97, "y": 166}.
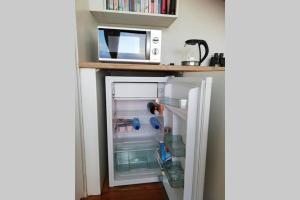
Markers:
{"x": 154, "y": 122}
{"x": 162, "y": 150}
{"x": 136, "y": 123}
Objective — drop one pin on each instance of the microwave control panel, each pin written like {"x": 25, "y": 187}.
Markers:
{"x": 155, "y": 41}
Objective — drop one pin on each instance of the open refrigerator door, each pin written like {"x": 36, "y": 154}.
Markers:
{"x": 186, "y": 117}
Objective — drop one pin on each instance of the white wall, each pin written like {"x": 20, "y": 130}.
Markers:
{"x": 86, "y": 32}
{"x": 198, "y": 19}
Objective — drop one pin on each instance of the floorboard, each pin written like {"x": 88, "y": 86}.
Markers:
{"x": 148, "y": 191}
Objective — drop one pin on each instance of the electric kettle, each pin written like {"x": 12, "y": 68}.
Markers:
{"x": 193, "y": 52}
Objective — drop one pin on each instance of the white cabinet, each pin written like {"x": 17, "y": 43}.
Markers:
{"x": 104, "y": 16}
{"x": 133, "y": 155}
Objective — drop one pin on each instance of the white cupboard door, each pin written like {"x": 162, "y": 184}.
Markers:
{"x": 90, "y": 130}
{"x": 194, "y": 96}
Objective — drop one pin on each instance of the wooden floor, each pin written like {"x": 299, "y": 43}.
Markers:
{"x": 149, "y": 191}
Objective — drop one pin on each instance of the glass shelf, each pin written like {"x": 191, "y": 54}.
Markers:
{"x": 175, "y": 145}
{"x": 131, "y": 145}
{"x": 178, "y": 103}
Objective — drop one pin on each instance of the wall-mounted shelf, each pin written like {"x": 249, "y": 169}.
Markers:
{"x": 134, "y": 18}
{"x": 104, "y": 16}
{"x": 148, "y": 67}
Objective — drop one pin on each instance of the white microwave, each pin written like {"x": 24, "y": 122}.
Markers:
{"x": 117, "y": 44}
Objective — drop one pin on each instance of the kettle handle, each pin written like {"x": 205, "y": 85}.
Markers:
{"x": 199, "y": 42}
{"x": 202, "y": 42}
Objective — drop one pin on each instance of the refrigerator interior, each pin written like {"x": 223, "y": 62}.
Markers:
{"x": 134, "y": 150}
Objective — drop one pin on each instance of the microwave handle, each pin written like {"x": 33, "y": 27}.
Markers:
{"x": 148, "y": 44}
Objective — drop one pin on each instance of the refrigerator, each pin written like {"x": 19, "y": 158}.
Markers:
{"x": 137, "y": 154}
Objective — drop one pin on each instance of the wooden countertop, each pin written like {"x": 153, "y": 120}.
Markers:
{"x": 148, "y": 67}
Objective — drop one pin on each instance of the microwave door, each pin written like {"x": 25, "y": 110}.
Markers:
{"x": 124, "y": 45}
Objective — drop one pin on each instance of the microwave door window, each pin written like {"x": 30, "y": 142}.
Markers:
{"x": 117, "y": 44}
{"x": 132, "y": 46}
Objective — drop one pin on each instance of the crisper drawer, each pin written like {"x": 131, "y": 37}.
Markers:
{"x": 135, "y": 90}
{"x": 132, "y": 156}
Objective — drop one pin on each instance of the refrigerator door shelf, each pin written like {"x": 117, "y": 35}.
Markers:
{"x": 175, "y": 174}
{"x": 178, "y": 103}
{"x": 173, "y": 193}
{"x": 173, "y": 170}
{"x": 175, "y": 145}
{"x": 182, "y": 113}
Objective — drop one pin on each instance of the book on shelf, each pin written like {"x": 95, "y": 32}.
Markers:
{"x": 143, "y": 6}
{"x": 120, "y": 5}
{"x": 132, "y": 5}
{"x": 172, "y": 7}
{"x": 116, "y": 5}
{"x": 109, "y": 4}
{"x": 146, "y": 8}
{"x": 151, "y": 6}
{"x": 159, "y": 7}
{"x": 163, "y": 6}
{"x": 168, "y": 6}
{"x": 126, "y": 5}
{"x": 155, "y": 6}
{"x": 138, "y": 5}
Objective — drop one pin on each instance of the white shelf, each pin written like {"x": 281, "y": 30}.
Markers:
{"x": 134, "y": 18}
{"x": 146, "y": 131}
{"x": 135, "y": 146}
{"x": 143, "y": 115}
{"x": 98, "y": 9}
{"x": 134, "y": 98}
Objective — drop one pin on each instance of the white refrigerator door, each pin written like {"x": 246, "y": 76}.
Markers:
{"x": 198, "y": 93}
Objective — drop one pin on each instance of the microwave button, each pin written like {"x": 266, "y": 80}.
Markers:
{"x": 155, "y": 40}
{"x": 155, "y": 51}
